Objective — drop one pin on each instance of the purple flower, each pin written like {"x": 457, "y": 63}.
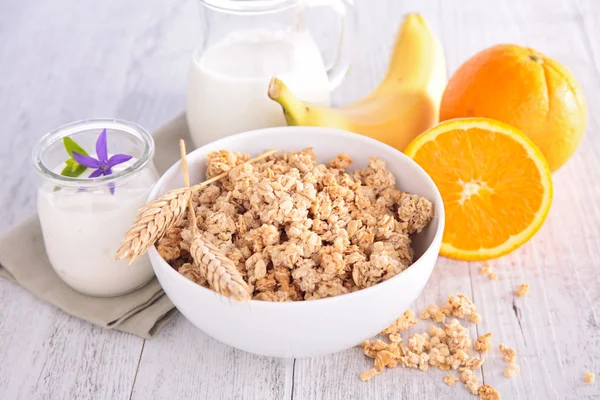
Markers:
{"x": 103, "y": 165}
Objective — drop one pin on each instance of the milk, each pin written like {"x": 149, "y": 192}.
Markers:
{"x": 83, "y": 229}
{"x": 228, "y": 83}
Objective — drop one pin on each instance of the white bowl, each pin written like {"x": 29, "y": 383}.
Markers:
{"x": 305, "y": 328}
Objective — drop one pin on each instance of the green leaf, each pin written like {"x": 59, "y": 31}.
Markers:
{"x": 73, "y": 170}
{"x": 72, "y": 164}
{"x": 71, "y": 145}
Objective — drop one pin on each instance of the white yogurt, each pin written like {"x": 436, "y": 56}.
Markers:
{"x": 82, "y": 231}
{"x": 228, "y": 83}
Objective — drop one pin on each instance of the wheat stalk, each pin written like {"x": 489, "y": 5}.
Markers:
{"x": 152, "y": 222}
{"x": 220, "y": 272}
{"x": 157, "y": 217}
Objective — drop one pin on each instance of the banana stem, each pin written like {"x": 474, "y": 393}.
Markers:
{"x": 294, "y": 110}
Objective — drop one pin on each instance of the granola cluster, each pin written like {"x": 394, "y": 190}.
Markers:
{"x": 448, "y": 346}
{"x": 459, "y": 306}
{"x": 522, "y": 290}
{"x": 589, "y": 377}
{"x": 300, "y": 230}
{"x": 486, "y": 269}
{"x": 510, "y": 356}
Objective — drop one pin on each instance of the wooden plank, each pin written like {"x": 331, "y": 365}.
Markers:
{"x": 183, "y": 363}
{"x": 47, "y": 354}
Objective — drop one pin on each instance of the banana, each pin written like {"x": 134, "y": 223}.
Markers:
{"x": 404, "y": 105}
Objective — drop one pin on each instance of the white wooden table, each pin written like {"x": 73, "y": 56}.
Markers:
{"x": 63, "y": 60}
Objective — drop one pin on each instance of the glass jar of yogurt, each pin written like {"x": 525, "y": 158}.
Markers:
{"x": 84, "y": 218}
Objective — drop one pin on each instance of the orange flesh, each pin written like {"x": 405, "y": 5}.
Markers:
{"x": 491, "y": 187}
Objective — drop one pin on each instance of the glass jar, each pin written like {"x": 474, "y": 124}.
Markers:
{"x": 244, "y": 43}
{"x": 84, "y": 219}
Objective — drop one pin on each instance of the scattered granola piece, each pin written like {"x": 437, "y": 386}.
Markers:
{"x": 473, "y": 386}
{"x": 511, "y": 370}
{"x": 401, "y": 324}
{"x": 475, "y": 318}
{"x": 485, "y": 269}
{"x": 509, "y": 354}
{"x": 459, "y": 306}
{"x": 482, "y": 344}
{"x": 474, "y": 363}
{"x": 457, "y": 337}
{"x": 450, "y": 379}
{"x": 368, "y": 374}
{"x": 434, "y": 313}
{"x": 447, "y": 347}
{"x": 385, "y": 358}
{"x": 493, "y": 276}
{"x": 522, "y": 290}
{"x": 466, "y": 375}
{"x": 419, "y": 342}
{"x": 395, "y": 337}
{"x": 589, "y": 377}
{"x": 468, "y": 378}
{"x": 486, "y": 392}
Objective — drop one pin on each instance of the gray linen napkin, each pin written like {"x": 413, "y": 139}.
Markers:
{"x": 143, "y": 312}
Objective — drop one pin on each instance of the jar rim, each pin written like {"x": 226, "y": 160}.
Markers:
{"x": 248, "y": 5}
{"x": 93, "y": 124}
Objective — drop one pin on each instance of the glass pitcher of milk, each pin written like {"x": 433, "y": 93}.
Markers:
{"x": 244, "y": 43}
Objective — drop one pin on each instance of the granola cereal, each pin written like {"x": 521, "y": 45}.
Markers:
{"x": 450, "y": 379}
{"x": 401, "y": 324}
{"x": 296, "y": 229}
{"x": 447, "y": 347}
{"x": 482, "y": 344}
{"x": 486, "y": 392}
{"x": 511, "y": 370}
{"x": 468, "y": 378}
{"x": 475, "y": 318}
{"x": 368, "y": 374}
{"x": 485, "y": 269}
{"x": 522, "y": 290}
{"x": 589, "y": 377}
{"x": 509, "y": 354}
{"x": 434, "y": 313}
{"x": 493, "y": 276}
{"x": 459, "y": 306}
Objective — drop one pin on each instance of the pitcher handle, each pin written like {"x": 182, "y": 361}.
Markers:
{"x": 346, "y": 48}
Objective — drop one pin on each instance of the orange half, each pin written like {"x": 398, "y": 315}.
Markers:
{"x": 495, "y": 184}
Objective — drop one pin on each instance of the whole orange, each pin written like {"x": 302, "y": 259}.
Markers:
{"x": 523, "y": 88}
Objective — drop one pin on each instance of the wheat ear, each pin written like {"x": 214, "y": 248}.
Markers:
{"x": 152, "y": 222}
{"x": 220, "y": 272}
{"x": 157, "y": 217}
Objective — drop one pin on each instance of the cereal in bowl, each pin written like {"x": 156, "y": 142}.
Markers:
{"x": 288, "y": 228}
